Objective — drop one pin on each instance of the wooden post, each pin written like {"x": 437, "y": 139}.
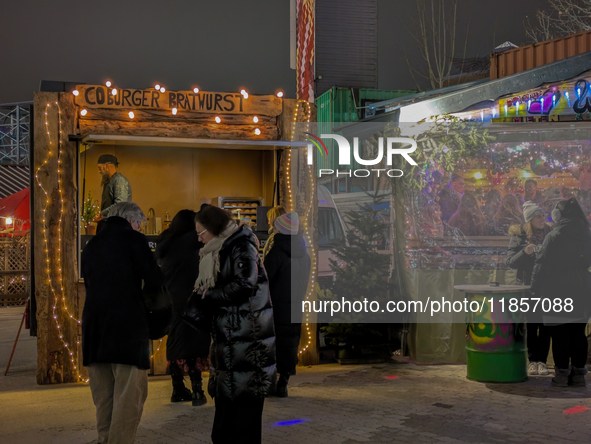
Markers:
{"x": 55, "y": 244}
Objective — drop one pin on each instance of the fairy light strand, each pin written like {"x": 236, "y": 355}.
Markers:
{"x": 306, "y": 220}
{"x": 59, "y": 275}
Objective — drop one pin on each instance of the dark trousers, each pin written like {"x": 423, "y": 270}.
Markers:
{"x": 538, "y": 342}
{"x": 238, "y": 421}
{"x": 569, "y": 342}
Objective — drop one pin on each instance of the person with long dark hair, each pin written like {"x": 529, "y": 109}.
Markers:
{"x": 521, "y": 256}
{"x": 468, "y": 219}
{"x": 235, "y": 289}
{"x": 562, "y": 271}
{"x": 187, "y": 349}
{"x": 509, "y": 214}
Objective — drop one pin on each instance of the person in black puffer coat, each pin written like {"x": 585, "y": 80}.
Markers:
{"x": 562, "y": 271}
{"x": 187, "y": 349}
{"x": 235, "y": 288}
{"x": 288, "y": 268}
{"x": 521, "y": 257}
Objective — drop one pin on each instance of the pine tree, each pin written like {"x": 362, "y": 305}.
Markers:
{"x": 361, "y": 273}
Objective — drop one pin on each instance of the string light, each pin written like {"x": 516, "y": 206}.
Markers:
{"x": 82, "y": 112}
{"x": 255, "y": 119}
{"x": 280, "y": 94}
{"x": 53, "y": 283}
{"x": 76, "y": 92}
{"x": 257, "y": 132}
{"x": 196, "y": 90}
{"x": 108, "y": 83}
{"x": 306, "y": 220}
{"x": 217, "y": 119}
{"x": 114, "y": 91}
{"x": 157, "y": 87}
{"x": 162, "y": 89}
{"x": 174, "y": 111}
{"x": 131, "y": 115}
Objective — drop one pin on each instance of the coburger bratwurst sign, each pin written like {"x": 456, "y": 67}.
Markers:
{"x": 97, "y": 96}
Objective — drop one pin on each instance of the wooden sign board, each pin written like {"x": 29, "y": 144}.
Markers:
{"x": 97, "y": 96}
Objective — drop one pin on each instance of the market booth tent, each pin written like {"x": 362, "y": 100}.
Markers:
{"x": 16, "y": 208}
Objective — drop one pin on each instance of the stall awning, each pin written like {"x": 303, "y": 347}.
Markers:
{"x": 182, "y": 142}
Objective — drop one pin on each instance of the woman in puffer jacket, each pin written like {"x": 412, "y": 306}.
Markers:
{"x": 234, "y": 287}
{"x": 562, "y": 272}
{"x": 521, "y": 257}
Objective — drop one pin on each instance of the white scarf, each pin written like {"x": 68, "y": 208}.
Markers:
{"x": 209, "y": 265}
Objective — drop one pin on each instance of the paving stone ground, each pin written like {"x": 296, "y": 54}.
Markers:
{"x": 336, "y": 404}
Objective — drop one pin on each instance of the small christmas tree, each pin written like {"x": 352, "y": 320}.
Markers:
{"x": 361, "y": 273}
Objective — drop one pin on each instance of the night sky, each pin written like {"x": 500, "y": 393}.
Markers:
{"x": 224, "y": 45}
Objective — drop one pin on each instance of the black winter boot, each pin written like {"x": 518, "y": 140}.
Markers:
{"x": 198, "y": 396}
{"x": 560, "y": 378}
{"x": 180, "y": 393}
{"x": 282, "y": 386}
{"x": 577, "y": 377}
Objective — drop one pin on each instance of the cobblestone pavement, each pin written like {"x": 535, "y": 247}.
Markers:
{"x": 383, "y": 403}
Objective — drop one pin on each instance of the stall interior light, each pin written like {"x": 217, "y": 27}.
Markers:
{"x": 255, "y": 119}
{"x": 257, "y": 132}
{"x": 174, "y": 111}
{"x": 108, "y": 83}
{"x": 131, "y": 115}
{"x": 83, "y": 112}
{"x": 75, "y": 92}
{"x": 217, "y": 119}
{"x": 196, "y": 90}
{"x": 114, "y": 92}
{"x": 478, "y": 175}
{"x": 8, "y": 221}
{"x": 157, "y": 86}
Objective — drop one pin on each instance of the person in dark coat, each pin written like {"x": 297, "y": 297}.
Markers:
{"x": 450, "y": 196}
{"x": 522, "y": 258}
{"x": 562, "y": 271}
{"x": 288, "y": 267}
{"x": 235, "y": 288}
{"x": 187, "y": 349}
{"x": 116, "y": 263}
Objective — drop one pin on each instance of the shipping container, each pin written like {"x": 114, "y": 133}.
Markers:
{"x": 528, "y": 57}
{"x": 342, "y": 105}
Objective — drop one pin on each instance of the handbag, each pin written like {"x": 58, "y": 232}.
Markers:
{"x": 196, "y": 314}
{"x": 159, "y": 313}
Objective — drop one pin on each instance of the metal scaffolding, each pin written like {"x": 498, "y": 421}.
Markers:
{"x": 15, "y": 120}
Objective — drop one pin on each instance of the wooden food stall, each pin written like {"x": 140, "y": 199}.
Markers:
{"x": 175, "y": 148}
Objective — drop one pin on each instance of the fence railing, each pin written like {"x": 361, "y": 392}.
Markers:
{"x": 15, "y": 270}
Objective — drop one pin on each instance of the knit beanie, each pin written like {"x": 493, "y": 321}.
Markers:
{"x": 287, "y": 223}
{"x": 531, "y": 210}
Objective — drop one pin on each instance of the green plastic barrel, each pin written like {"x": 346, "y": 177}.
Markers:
{"x": 495, "y": 340}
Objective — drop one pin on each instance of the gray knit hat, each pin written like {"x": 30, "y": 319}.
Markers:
{"x": 531, "y": 210}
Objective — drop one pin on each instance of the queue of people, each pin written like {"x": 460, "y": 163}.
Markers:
{"x": 205, "y": 258}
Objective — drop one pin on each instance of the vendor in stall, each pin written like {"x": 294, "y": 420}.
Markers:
{"x": 116, "y": 187}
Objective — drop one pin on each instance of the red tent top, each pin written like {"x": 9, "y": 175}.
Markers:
{"x": 15, "y": 206}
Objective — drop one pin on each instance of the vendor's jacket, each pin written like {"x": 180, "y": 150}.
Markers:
{"x": 242, "y": 360}
{"x": 119, "y": 272}
{"x": 562, "y": 267}
{"x": 116, "y": 190}
{"x": 517, "y": 258}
